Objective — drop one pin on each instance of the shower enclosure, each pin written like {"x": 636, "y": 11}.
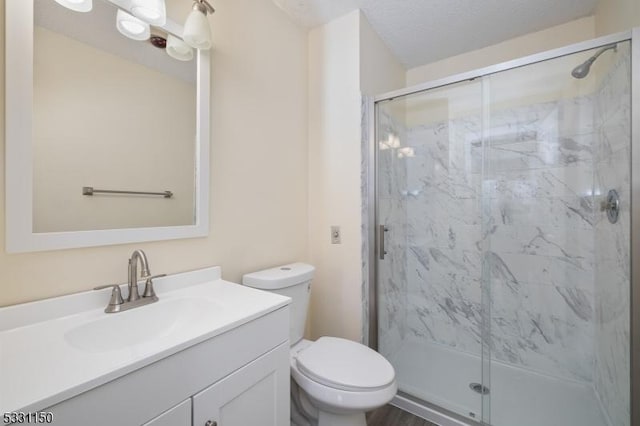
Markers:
{"x": 501, "y": 274}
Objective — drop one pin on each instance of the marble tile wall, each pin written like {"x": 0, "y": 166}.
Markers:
{"x": 444, "y": 234}
{"x": 612, "y": 262}
{"x": 540, "y": 229}
{"x": 536, "y": 239}
{"x": 365, "y": 124}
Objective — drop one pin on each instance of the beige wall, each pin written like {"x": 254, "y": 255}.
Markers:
{"x": 334, "y": 177}
{"x": 97, "y": 123}
{"x": 380, "y": 70}
{"x": 258, "y": 167}
{"x": 345, "y": 59}
{"x": 551, "y": 38}
{"x": 612, "y": 16}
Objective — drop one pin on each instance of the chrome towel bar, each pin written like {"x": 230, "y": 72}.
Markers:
{"x": 89, "y": 190}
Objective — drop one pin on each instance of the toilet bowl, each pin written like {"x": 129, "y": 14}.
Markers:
{"x": 334, "y": 381}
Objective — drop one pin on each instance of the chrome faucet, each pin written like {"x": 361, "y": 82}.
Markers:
{"x": 133, "y": 273}
{"x": 134, "y": 300}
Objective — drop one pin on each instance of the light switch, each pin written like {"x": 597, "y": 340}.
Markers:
{"x": 335, "y": 235}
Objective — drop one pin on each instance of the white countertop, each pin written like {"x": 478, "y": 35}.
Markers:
{"x": 55, "y": 349}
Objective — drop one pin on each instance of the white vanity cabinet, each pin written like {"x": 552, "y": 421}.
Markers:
{"x": 257, "y": 394}
{"x": 237, "y": 378}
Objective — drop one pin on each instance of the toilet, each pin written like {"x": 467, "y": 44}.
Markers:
{"x": 334, "y": 381}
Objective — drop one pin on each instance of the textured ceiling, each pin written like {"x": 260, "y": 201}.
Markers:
{"x": 424, "y": 31}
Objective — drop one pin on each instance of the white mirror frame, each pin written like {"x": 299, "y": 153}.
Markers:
{"x": 19, "y": 26}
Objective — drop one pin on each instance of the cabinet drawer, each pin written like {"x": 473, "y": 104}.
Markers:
{"x": 255, "y": 395}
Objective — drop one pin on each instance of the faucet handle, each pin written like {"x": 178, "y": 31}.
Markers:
{"x": 102, "y": 287}
{"x": 156, "y": 276}
{"x": 148, "y": 286}
{"x": 116, "y": 294}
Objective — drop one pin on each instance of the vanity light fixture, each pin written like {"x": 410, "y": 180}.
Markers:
{"x": 153, "y": 12}
{"x": 132, "y": 27}
{"x": 178, "y": 49}
{"x": 197, "y": 32}
{"x": 77, "y": 5}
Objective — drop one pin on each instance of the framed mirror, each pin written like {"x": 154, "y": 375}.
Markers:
{"x": 107, "y": 137}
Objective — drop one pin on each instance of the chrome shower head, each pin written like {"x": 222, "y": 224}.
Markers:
{"x": 582, "y": 70}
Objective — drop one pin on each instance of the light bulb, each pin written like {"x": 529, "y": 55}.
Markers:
{"x": 197, "y": 32}
{"x": 152, "y": 11}
{"x": 77, "y": 5}
{"x": 178, "y": 49}
{"x": 132, "y": 27}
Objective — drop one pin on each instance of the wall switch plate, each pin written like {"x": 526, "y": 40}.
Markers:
{"x": 335, "y": 235}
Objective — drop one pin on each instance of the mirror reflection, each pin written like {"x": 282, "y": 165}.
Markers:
{"x": 110, "y": 113}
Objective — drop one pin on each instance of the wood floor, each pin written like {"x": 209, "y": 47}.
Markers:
{"x": 393, "y": 416}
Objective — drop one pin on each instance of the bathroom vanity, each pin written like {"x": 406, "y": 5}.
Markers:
{"x": 207, "y": 351}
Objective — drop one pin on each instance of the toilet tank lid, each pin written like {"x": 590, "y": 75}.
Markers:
{"x": 279, "y": 277}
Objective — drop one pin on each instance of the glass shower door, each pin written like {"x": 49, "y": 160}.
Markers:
{"x": 429, "y": 175}
{"x": 503, "y": 293}
{"x": 558, "y": 267}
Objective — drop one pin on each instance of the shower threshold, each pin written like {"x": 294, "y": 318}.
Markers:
{"x": 441, "y": 376}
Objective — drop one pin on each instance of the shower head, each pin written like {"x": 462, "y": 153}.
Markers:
{"x": 582, "y": 70}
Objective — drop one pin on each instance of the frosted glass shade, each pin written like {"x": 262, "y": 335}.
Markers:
{"x": 153, "y": 12}
{"x": 132, "y": 27}
{"x": 178, "y": 49}
{"x": 197, "y": 32}
{"x": 77, "y": 5}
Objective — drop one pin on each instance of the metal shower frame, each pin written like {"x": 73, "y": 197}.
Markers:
{"x": 632, "y": 36}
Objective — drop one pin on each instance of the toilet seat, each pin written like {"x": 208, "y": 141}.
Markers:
{"x": 346, "y": 365}
{"x": 336, "y": 400}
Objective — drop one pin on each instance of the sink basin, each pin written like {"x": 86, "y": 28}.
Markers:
{"x": 55, "y": 349}
{"x": 138, "y": 326}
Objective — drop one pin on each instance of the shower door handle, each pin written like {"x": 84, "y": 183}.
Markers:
{"x": 381, "y": 230}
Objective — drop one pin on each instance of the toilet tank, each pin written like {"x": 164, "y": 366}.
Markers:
{"x": 294, "y": 281}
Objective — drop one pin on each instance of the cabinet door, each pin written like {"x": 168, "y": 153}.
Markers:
{"x": 255, "y": 395}
{"x": 180, "y": 415}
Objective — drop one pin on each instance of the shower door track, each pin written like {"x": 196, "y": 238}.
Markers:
{"x": 431, "y": 411}
{"x": 371, "y": 334}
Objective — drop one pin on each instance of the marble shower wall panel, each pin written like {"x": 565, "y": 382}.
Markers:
{"x": 540, "y": 229}
{"x": 442, "y": 308}
{"x": 539, "y": 223}
{"x": 365, "y": 164}
{"x": 535, "y": 137}
{"x": 532, "y": 328}
{"x": 392, "y": 211}
{"x": 612, "y": 255}
{"x": 444, "y": 231}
